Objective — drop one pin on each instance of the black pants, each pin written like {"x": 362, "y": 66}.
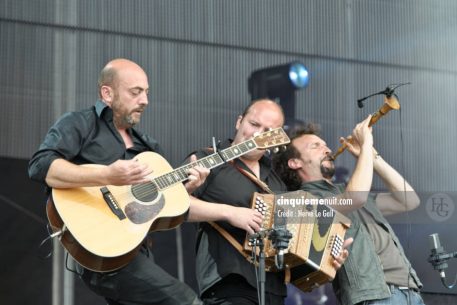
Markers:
{"x": 140, "y": 282}
{"x": 235, "y": 290}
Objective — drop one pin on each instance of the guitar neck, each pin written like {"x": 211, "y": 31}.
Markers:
{"x": 238, "y": 150}
{"x": 181, "y": 174}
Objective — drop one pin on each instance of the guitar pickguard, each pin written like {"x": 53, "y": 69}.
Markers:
{"x": 140, "y": 213}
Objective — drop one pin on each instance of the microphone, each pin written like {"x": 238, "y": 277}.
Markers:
{"x": 359, "y": 101}
{"x": 437, "y": 250}
{"x": 438, "y": 258}
{"x": 388, "y": 92}
{"x": 279, "y": 259}
{"x": 280, "y": 238}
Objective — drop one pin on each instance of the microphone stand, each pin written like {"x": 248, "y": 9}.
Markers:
{"x": 257, "y": 240}
{"x": 438, "y": 258}
{"x": 262, "y": 274}
{"x": 439, "y": 262}
{"x": 280, "y": 239}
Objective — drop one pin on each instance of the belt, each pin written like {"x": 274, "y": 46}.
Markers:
{"x": 392, "y": 287}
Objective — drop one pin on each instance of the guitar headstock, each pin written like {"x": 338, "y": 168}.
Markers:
{"x": 271, "y": 138}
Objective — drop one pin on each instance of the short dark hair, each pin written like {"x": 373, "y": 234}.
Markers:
{"x": 281, "y": 159}
{"x": 308, "y": 128}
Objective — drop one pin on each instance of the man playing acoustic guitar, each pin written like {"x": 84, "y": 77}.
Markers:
{"x": 104, "y": 135}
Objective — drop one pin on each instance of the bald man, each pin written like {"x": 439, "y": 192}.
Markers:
{"x": 104, "y": 134}
{"x": 224, "y": 276}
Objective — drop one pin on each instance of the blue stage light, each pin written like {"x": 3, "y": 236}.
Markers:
{"x": 279, "y": 83}
{"x": 298, "y": 75}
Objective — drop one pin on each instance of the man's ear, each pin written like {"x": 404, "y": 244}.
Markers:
{"x": 238, "y": 122}
{"x": 107, "y": 94}
{"x": 294, "y": 163}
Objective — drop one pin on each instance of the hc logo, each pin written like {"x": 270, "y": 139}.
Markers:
{"x": 440, "y": 207}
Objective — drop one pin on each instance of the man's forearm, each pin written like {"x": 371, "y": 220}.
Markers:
{"x": 360, "y": 183}
{"x": 64, "y": 174}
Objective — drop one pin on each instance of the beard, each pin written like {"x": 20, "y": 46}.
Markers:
{"x": 122, "y": 117}
{"x": 128, "y": 119}
{"x": 327, "y": 171}
{"x": 125, "y": 121}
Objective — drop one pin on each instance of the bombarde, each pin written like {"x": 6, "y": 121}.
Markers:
{"x": 390, "y": 103}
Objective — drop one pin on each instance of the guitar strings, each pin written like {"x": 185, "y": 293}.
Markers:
{"x": 181, "y": 174}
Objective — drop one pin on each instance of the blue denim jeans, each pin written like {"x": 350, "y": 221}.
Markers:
{"x": 398, "y": 297}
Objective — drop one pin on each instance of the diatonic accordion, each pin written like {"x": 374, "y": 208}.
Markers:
{"x": 317, "y": 235}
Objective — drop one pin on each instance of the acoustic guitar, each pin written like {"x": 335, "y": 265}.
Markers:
{"x": 103, "y": 227}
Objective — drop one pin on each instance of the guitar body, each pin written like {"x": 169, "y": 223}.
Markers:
{"x": 99, "y": 239}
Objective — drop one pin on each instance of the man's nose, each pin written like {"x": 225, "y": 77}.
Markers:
{"x": 143, "y": 99}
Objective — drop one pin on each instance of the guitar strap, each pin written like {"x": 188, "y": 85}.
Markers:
{"x": 229, "y": 237}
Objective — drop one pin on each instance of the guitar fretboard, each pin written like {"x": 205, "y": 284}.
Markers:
{"x": 180, "y": 174}
{"x": 238, "y": 150}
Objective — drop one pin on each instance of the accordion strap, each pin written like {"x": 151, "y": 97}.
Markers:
{"x": 226, "y": 234}
{"x": 253, "y": 178}
{"x": 230, "y": 239}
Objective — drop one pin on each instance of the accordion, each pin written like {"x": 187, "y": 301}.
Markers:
{"x": 317, "y": 235}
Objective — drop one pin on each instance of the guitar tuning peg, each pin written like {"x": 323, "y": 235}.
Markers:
{"x": 276, "y": 150}
{"x": 284, "y": 147}
{"x": 268, "y": 151}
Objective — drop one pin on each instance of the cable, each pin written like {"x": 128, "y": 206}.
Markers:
{"x": 443, "y": 280}
{"x": 43, "y": 242}
{"x": 408, "y": 221}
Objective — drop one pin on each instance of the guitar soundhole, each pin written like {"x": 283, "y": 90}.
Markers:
{"x": 145, "y": 192}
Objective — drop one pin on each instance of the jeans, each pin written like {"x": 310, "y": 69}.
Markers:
{"x": 398, "y": 297}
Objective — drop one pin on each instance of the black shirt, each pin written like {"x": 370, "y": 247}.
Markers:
{"x": 217, "y": 258}
{"x": 87, "y": 137}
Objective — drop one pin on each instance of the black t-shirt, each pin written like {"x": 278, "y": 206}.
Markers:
{"x": 217, "y": 258}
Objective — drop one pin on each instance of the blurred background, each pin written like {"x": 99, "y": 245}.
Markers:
{"x": 199, "y": 56}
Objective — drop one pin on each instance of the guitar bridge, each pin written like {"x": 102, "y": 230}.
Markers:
{"x": 112, "y": 203}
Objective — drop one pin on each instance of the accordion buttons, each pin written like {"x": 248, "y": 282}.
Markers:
{"x": 337, "y": 246}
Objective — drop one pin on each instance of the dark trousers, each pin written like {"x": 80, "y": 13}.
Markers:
{"x": 140, "y": 282}
{"x": 235, "y": 290}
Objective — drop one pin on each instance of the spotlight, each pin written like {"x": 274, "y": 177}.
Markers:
{"x": 279, "y": 82}
{"x": 298, "y": 75}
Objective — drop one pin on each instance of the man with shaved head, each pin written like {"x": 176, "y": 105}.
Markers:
{"x": 104, "y": 134}
{"x": 224, "y": 276}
